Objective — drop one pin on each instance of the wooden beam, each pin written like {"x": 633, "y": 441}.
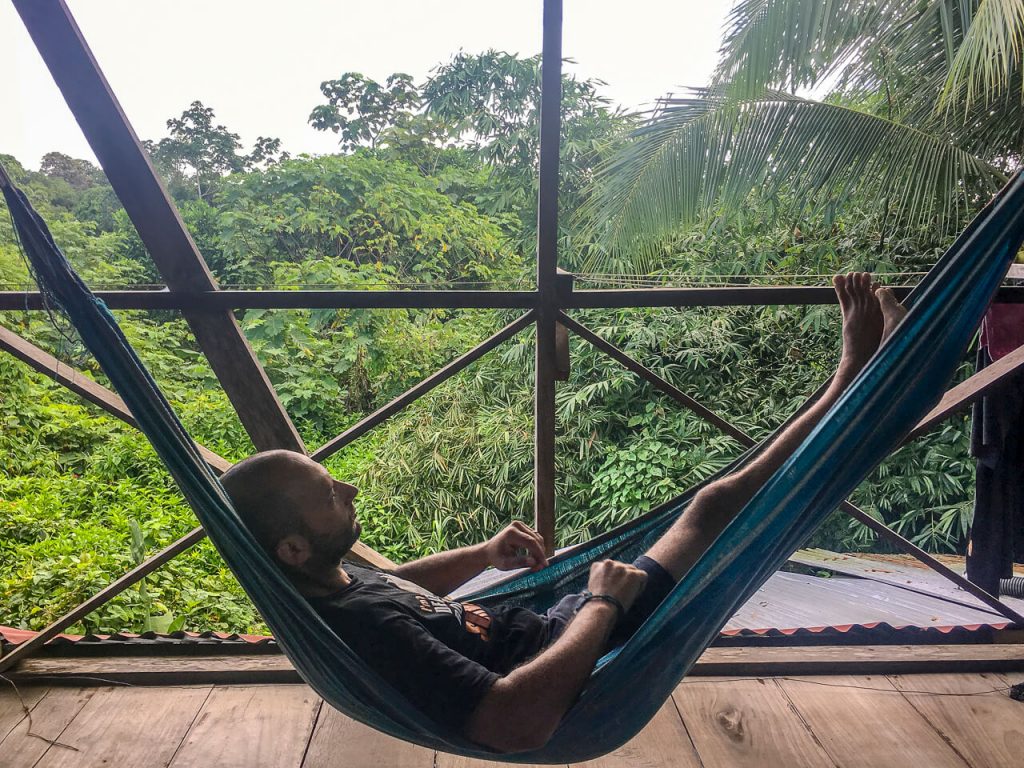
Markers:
{"x": 745, "y": 440}
{"x": 546, "y": 362}
{"x": 385, "y": 412}
{"x": 158, "y": 668}
{"x": 974, "y": 388}
{"x": 563, "y": 366}
{"x": 563, "y": 288}
{"x": 226, "y": 299}
{"x": 544, "y": 423}
{"x": 127, "y": 166}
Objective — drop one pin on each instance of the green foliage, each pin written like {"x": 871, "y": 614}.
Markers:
{"x": 488, "y": 106}
{"x": 358, "y": 209}
{"x": 359, "y": 109}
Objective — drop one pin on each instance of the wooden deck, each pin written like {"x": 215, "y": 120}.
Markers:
{"x": 840, "y": 721}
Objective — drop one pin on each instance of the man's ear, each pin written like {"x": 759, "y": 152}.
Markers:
{"x": 293, "y": 550}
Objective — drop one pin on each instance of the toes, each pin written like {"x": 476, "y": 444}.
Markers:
{"x": 859, "y": 282}
{"x": 841, "y": 285}
{"x": 865, "y": 285}
{"x": 888, "y": 300}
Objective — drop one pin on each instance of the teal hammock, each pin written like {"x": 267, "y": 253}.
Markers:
{"x": 630, "y": 684}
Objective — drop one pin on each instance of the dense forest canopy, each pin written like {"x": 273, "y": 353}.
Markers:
{"x": 434, "y": 184}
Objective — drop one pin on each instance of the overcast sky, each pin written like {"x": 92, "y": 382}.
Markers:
{"x": 259, "y": 63}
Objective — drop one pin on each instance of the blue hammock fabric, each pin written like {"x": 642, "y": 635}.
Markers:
{"x": 629, "y": 685}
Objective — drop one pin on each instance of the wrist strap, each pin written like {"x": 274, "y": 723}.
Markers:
{"x": 586, "y": 596}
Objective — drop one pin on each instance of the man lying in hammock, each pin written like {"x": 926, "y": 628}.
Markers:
{"x": 505, "y": 676}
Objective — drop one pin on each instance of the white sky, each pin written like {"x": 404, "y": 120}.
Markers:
{"x": 259, "y": 63}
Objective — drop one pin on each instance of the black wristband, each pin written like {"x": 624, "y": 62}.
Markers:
{"x": 586, "y": 596}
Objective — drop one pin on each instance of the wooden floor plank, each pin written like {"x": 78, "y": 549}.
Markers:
{"x": 251, "y": 727}
{"x": 986, "y": 729}
{"x": 864, "y": 722}
{"x": 341, "y": 741}
{"x": 13, "y": 703}
{"x": 663, "y": 743}
{"x": 445, "y": 760}
{"x": 737, "y": 723}
{"x": 30, "y": 739}
{"x": 128, "y": 727}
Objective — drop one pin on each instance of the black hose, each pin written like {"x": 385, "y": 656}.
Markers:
{"x": 1013, "y": 587}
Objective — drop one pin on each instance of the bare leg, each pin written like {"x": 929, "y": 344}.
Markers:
{"x": 715, "y": 505}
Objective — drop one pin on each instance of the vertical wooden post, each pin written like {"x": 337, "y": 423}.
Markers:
{"x": 564, "y": 281}
{"x": 547, "y": 264}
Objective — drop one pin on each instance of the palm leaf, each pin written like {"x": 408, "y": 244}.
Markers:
{"x": 709, "y": 151}
{"x": 988, "y": 60}
{"x": 793, "y": 44}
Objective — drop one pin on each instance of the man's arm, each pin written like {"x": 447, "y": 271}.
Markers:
{"x": 446, "y": 571}
{"x": 522, "y": 710}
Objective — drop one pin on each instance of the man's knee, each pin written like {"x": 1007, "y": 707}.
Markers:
{"x": 722, "y": 496}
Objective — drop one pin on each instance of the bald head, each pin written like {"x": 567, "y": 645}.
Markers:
{"x": 266, "y": 490}
{"x": 300, "y": 514}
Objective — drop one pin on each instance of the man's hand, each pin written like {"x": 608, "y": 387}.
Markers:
{"x": 619, "y": 580}
{"x": 522, "y": 709}
{"x": 518, "y": 546}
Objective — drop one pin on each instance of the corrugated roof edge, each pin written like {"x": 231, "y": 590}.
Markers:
{"x": 11, "y": 636}
{"x": 15, "y": 636}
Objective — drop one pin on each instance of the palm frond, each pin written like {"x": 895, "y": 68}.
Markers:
{"x": 989, "y": 58}
{"x": 709, "y": 151}
{"x": 792, "y": 44}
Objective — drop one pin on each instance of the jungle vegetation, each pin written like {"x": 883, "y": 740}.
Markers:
{"x": 864, "y": 137}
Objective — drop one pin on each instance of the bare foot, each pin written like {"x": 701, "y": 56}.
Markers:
{"x": 892, "y": 311}
{"x": 863, "y": 321}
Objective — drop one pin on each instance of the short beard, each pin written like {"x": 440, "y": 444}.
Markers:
{"x": 328, "y": 554}
{"x": 324, "y": 555}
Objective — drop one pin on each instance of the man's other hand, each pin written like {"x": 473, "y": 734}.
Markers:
{"x": 518, "y": 546}
{"x": 619, "y": 580}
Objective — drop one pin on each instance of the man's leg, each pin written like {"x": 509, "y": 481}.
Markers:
{"x": 869, "y": 315}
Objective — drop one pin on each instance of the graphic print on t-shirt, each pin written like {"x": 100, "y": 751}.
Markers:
{"x": 473, "y": 618}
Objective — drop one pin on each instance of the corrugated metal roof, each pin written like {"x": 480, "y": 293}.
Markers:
{"x": 898, "y": 570}
{"x": 890, "y": 593}
{"x": 791, "y": 601}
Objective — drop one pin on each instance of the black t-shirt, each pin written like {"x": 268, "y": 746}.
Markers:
{"x": 441, "y": 654}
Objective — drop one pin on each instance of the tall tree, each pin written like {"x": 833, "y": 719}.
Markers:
{"x": 198, "y": 153}
{"x": 486, "y": 105}
{"x": 79, "y": 174}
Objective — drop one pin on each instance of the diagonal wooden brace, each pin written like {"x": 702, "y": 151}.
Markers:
{"x": 385, "y": 412}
